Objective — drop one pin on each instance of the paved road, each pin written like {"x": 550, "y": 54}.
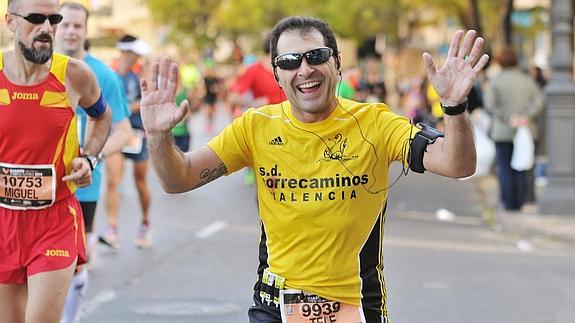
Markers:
{"x": 202, "y": 266}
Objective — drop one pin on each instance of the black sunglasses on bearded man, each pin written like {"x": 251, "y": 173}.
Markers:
{"x": 38, "y": 18}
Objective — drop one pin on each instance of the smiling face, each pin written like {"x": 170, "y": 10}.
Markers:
{"x": 309, "y": 88}
{"x": 72, "y": 32}
{"x": 35, "y": 42}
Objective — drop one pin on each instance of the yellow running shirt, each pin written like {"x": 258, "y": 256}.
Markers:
{"x": 322, "y": 190}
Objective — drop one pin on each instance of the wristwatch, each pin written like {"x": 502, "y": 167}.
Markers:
{"x": 92, "y": 160}
{"x": 454, "y": 110}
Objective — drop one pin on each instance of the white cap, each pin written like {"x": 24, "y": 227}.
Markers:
{"x": 137, "y": 46}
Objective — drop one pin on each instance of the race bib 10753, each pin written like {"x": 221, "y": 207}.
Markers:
{"x": 27, "y": 186}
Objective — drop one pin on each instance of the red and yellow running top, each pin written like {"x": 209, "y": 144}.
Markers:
{"x": 38, "y": 127}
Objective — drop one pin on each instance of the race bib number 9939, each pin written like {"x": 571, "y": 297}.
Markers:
{"x": 296, "y": 307}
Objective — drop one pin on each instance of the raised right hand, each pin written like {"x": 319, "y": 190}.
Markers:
{"x": 157, "y": 106}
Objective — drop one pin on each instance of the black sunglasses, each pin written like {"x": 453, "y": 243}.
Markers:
{"x": 38, "y": 18}
{"x": 292, "y": 61}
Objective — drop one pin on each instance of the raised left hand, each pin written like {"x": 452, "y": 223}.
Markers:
{"x": 454, "y": 79}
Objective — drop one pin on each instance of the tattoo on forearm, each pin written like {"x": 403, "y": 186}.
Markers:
{"x": 207, "y": 175}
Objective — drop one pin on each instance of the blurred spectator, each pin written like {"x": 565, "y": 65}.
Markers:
{"x": 256, "y": 86}
{"x": 372, "y": 85}
{"x": 346, "y": 87}
{"x": 435, "y": 107}
{"x": 190, "y": 76}
{"x": 537, "y": 74}
{"x": 475, "y": 98}
{"x": 212, "y": 89}
{"x": 131, "y": 49}
{"x": 180, "y": 131}
{"x": 513, "y": 99}
{"x": 237, "y": 54}
{"x": 540, "y": 149}
{"x": 415, "y": 100}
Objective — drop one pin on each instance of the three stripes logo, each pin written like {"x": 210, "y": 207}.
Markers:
{"x": 277, "y": 141}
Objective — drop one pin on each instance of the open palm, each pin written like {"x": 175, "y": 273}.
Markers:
{"x": 157, "y": 106}
{"x": 456, "y": 77}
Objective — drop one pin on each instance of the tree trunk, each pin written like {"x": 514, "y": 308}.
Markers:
{"x": 507, "y": 26}
{"x": 475, "y": 17}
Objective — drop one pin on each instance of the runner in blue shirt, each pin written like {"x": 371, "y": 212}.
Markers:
{"x": 70, "y": 40}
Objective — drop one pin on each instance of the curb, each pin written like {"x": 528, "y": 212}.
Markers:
{"x": 534, "y": 225}
{"x": 527, "y": 224}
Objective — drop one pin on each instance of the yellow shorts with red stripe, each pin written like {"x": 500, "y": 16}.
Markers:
{"x": 36, "y": 241}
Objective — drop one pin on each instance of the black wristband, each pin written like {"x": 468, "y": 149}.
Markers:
{"x": 92, "y": 161}
{"x": 455, "y": 110}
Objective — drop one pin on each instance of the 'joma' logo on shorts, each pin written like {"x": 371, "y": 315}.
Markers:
{"x": 24, "y": 96}
{"x": 57, "y": 253}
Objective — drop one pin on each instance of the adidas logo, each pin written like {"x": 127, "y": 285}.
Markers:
{"x": 277, "y": 141}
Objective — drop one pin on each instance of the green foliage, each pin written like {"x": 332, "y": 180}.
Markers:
{"x": 235, "y": 17}
{"x": 360, "y": 19}
{"x": 539, "y": 16}
{"x": 185, "y": 16}
{"x": 203, "y": 20}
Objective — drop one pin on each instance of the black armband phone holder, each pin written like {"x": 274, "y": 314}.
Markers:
{"x": 418, "y": 146}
